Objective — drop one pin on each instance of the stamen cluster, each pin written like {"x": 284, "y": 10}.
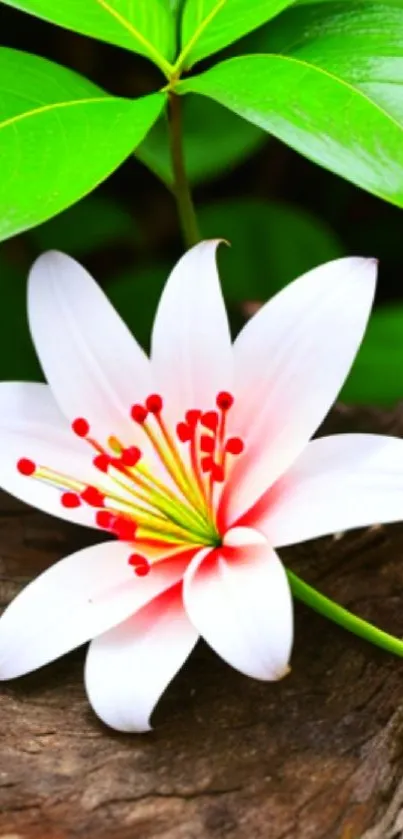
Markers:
{"x": 135, "y": 505}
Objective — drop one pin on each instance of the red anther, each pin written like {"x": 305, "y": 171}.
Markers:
{"x": 207, "y": 463}
{"x": 139, "y": 413}
{"x": 125, "y": 529}
{"x": 102, "y": 462}
{"x": 224, "y": 400}
{"x": 70, "y": 500}
{"x": 154, "y": 403}
{"x": 93, "y": 497}
{"x": 207, "y": 443}
{"x": 105, "y": 519}
{"x": 192, "y": 417}
{"x": 234, "y": 445}
{"x": 217, "y": 473}
{"x": 80, "y": 427}
{"x": 184, "y": 432}
{"x": 210, "y": 420}
{"x": 130, "y": 456}
{"x": 140, "y": 564}
{"x": 26, "y": 467}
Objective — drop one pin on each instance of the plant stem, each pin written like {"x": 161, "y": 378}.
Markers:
{"x": 184, "y": 202}
{"x": 317, "y": 601}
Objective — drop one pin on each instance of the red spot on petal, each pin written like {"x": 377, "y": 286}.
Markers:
{"x": 125, "y": 529}
{"x": 192, "y": 417}
{"x": 184, "y": 432}
{"x": 80, "y": 427}
{"x": 105, "y": 519}
{"x": 70, "y": 500}
{"x": 207, "y": 463}
{"x": 26, "y": 467}
{"x": 154, "y": 403}
{"x": 224, "y": 400}
{"x": 130, "y": 456}
{"x": 217, "y": 473}
{"x": 234, "y": 445}
{"x": 207, "y": 443}
{"x": 210, "y": 420}
{"x": 140, "y": 564}
{"x": 102, "y": 462}
{"x": 139, "y": 413}
{"x": 93, "y": 497}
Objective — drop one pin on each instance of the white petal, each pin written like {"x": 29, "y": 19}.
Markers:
{"x": 239, "y": 600}
{"x": 191, "y": 344}
{"x": 290, "y": 362}
{"x": 92, "y": 362}
{"x": 32, "y": 426}
{"x": 80, "y": 597}
{"x": 338, "y": 483}
{"x": 129, "y": 667}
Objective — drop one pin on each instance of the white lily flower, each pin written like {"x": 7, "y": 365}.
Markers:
{"x": 197, "y": 459}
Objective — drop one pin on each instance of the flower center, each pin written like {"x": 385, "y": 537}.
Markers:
{"x": 134, "y": 504}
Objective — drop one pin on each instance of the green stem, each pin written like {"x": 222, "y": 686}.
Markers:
{"x": 326, "y": 607}
{"x": 184, "y": 202}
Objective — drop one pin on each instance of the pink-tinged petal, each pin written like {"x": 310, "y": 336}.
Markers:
{"x": 32, "y": 426}
{"x": 191, "y": 344}
{"x": 238, "y": 598}
{"x": 92, "y": 362}
{"x": 129, "y": 667}
{"x": 337, "y": 483}
{"x": 80, "y": 597}
{"x": 290, "y": 362}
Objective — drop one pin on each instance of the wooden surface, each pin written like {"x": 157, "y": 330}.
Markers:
{"x": 318, "y": 755}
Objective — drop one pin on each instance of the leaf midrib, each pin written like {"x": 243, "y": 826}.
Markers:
{"x": 54, "y": 106}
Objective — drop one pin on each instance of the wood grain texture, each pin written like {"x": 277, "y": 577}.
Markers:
{"x": 319, "y": 755}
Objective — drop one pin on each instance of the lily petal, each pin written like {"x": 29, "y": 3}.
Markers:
{"x": 92, "y": 362}
{"x": 338, "y": 483}
{"x": 290, "y": 362}
{"x": 191, "y": 345}
{"x": 239, "y": 600}
{"x": 76, "y": 599}
{"x": 32, "y": 426}
{"x": 129, "y": 667}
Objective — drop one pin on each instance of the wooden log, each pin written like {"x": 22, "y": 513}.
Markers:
{"x": 316, "y": 756}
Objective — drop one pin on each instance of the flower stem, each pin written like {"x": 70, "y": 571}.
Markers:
{"x": 326, "y": 607}
{"x": 184, "y": 202}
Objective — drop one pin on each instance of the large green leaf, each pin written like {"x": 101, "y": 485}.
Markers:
{"x": 260, "y": 259}
{"x": 143, "y": 26}
{"x": 60, "y": 136}
{"x": 210, "y": 25}
{"x": 377, "y": 374}
{"x": 327, "y": 119}
{"x": 214, "y": 141}
{"x": 359, "y": 42}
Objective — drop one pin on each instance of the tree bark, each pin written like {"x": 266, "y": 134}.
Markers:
{"x": 318, "y": 755}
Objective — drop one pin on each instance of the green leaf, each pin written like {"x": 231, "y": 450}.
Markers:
{"x": 260, "y": 260}
{"x": 358, "y": 42}
{"x": 95, "y": 222}
{"x": 210, "y": 25}
{"x": 143, "y": 26}
{"x": 60, "y": 136}
{"x": 214, "y": 139}
{"x": 376, "y": 377}
{"x": 325, "y": 118}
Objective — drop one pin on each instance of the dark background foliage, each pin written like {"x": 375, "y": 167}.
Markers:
{"x": 282, "y": 213}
